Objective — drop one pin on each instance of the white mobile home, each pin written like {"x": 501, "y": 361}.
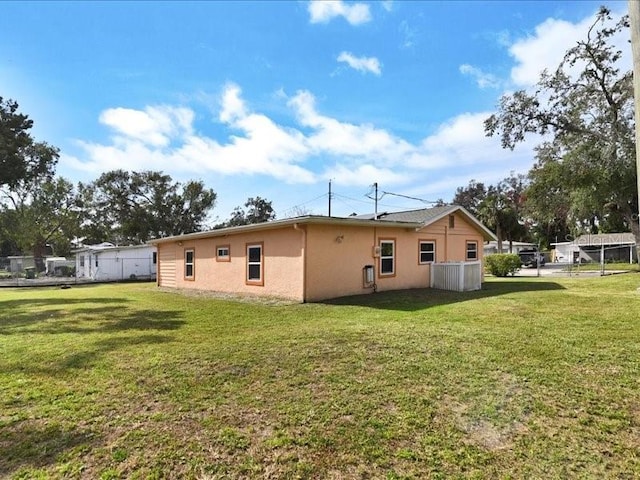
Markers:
{"x": 106, "y": 262}
{"x": 617, "y": 247}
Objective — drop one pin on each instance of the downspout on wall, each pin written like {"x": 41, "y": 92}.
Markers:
{"x": 304, "y": 260}
{"x": 446, "y": 244}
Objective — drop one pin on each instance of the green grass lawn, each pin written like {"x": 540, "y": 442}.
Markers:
{"x": 528, "y": 378}
{"x": 590, "y": 267}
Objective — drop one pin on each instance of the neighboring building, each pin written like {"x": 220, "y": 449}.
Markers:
{"x": 492, "y": 247}
{"x": 564, "y": 252}
{"x": 613, "y": 247}
{"x": 46, "y": 265}
{"x": 58, "y": 266}
{"x": 313, "y": 258}
{"x": 18, "y": 263}
{"x": 107, "y": 262}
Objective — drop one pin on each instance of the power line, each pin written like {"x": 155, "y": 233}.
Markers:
{"x": 286, "y": 211}
{"x": 350, "y": 198}
{"x": 409, "y": 197}
{"x": 341, "y": 198}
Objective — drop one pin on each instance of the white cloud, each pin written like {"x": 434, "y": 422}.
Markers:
{"x": 457, "y": 143}
{"x": 363, "y": 175}
{"x": 329, "y": 136}
{"x": 153, "y": 126}
{"x": 461, "y": 142}
{"x": 452, "y": 180}
{"x": 358, "y": 154}
{"x": 323, "y": 11}
{"x": 361, "y": 64}
{"x": 545, "y": 49}
{"x": 232, "y": 105}
{"x": 169, "y": 143}
{"x": 483, "y": 80}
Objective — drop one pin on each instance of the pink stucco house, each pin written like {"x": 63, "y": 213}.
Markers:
{"x": 313, "y": 258}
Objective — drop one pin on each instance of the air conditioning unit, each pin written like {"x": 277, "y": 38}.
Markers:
{"x": 376, "y": 251}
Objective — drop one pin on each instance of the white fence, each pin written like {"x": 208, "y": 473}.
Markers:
{"x": 457, "y": 276}
{"x": 20, "y": 271}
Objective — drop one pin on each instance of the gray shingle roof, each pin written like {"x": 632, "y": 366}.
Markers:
{"x": 423, "y": 215}
{"x": 410, "y": 219}
{"x": 426, "y": 216}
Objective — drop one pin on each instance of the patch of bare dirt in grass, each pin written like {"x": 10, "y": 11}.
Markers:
{"x": 480, "y": 430}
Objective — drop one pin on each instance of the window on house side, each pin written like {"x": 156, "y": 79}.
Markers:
{"x": 452, "y": 221}
{"x": 155, "y": 257}
{"x": 189, "y": 264}
{"x": 223, "y": 253}
{"x": 472, "y": 250}
{"x": 387, "y": 257}
{"x": 254, "y": 265}
{"x": 82, "y": 260}
{"x": 427, "y": 252}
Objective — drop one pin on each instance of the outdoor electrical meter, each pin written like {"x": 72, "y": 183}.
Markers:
{"x": 367, "y": 274}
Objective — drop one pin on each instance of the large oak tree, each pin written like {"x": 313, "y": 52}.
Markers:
{"x": 133, "y": 207}
{"x": 22, "y": 159}
{"x": 36, "y": 209}
{"x": 585, "y": 165}
{"x": 259, "y": 210}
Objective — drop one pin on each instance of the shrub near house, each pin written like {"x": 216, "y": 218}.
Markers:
{"x": 502, "y": 264}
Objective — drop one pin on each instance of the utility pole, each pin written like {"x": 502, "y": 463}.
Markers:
{"x": 375, "y": 214}
{"x": 329, "y": 197}
{"x": 375, "y": 199}
{"x": 634, "y": 22}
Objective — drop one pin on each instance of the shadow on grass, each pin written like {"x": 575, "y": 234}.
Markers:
{"x": 87, "y": 355}
{"x": 33, "y": 444}
{"x": 421, "y": 298}
{"x": 108, "y": 320}
{"x": 57, "y": 316}
{"x": 22, "y": 313}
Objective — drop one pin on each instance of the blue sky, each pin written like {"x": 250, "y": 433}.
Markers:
{"x": 273, "y": 99}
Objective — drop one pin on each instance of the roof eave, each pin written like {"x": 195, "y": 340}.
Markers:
{"x": 306, "y": 220}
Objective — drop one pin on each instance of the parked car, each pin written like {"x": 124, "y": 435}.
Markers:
{"x": 531, "y": 258}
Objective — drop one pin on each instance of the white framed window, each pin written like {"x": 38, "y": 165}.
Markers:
{"x": 472, "y": 250}
{"x": 223, "y": 253}
{"x": 189, "y": 264}
{"x": 387, "y": 257}
{"x": 255, "y": 264}
{"x": 82, "y": 260}
{"x": 155, "y": 258}
{"x": 427, "y": 251}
